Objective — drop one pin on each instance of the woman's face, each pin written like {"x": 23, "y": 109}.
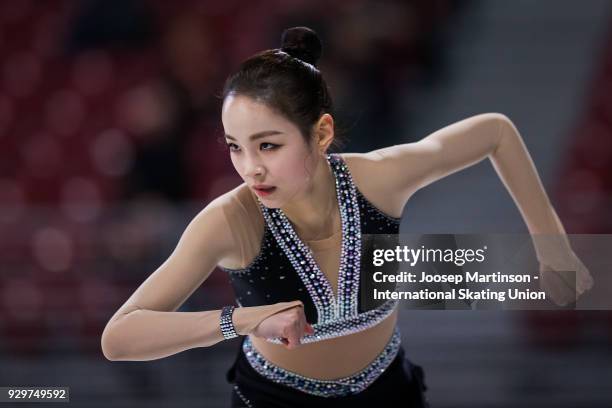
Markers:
{"x": 267, "y": 150}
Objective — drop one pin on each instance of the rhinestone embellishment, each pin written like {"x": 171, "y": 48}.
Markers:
{"x": 325, "y": 388}
{"x": 343, "y": 327}
{"x": 337, "y": 316}
{"x": 329, "y": 307}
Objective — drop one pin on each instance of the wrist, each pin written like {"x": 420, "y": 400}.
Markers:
{"x": 226, "y": 323}
{"x": 246, "y": 319}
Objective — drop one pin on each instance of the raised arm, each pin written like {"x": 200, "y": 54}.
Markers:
{"x": 403, "y": 169}
{"x": 406, "y": 168}
{"x": 147, "y": 326}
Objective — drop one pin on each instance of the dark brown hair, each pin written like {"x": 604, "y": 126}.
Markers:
{"x": 287, "y": 80}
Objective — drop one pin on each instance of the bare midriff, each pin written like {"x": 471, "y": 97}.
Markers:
{"x": 333, "y": 358}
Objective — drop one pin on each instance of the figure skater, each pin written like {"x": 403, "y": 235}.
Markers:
{"x": 290, "y": 238}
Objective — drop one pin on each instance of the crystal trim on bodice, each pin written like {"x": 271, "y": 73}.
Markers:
{"x": 337, "y": 316}
{"x": 320, "y": 290}
{"x": 346, "y": 326}
{"x": 352, "y": 384}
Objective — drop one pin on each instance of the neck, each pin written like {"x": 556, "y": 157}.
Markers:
{"x": 313, "y": 213}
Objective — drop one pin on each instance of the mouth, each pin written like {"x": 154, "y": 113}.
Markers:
{"x": 263, "y": 192}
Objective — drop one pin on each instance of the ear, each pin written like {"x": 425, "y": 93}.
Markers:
{"x": 324, "y": 132}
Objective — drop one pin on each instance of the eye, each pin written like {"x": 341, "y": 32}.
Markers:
{"x": 271, "y": 146}
{"x": 233, "y": 147}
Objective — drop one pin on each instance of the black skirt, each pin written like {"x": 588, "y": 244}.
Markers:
{"x": 401, "y": 385}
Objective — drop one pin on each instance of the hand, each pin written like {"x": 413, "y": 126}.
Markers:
{"x": 565, "y": 278}
{"x": 290, "y": 325}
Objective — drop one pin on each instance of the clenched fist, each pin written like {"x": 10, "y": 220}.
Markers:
{"x": 564, "y": 276}
{"x": 289, "y": 325}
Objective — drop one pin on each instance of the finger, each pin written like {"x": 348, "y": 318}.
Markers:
{"x": 581, "y": 274}
{"x": 306, "y": 330}
{"x": 564, "y": 282}
{"x": 294, "y": 339}
{"x": 590, "y": 282}
{"x": 545, "y": 283}
{"x": 586, "y": 284}
{"x": 567, "y": 283}
{"x": 568, "y": 279}
{"x": 585, "y": 280}
{"x": 553, "y": 287}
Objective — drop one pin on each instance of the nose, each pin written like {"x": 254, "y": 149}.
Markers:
{"x": 255, "y": 169}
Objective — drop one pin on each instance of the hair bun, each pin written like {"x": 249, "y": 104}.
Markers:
{"x": 302, "y": 43}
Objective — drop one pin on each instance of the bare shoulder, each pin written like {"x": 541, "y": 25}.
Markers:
{"x": 211, "y": 228}
{"x": 213, "y": 222}
{"x": 244, "y": 224}
{"x": 205, "y": 241}
{"x": 363, "y": 166}
{"x": 240, "y": 205}
{"x": 371, "y": 176}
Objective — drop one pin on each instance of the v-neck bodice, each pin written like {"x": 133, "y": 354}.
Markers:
{"x": 285, "y": 268}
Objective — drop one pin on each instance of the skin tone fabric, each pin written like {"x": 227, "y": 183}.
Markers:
{"x": 229, "y": 230}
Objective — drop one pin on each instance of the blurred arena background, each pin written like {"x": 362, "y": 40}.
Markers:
{"x": 109, "y": 127}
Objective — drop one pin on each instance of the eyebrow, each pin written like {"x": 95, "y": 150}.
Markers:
{"x": 258, "y": 135}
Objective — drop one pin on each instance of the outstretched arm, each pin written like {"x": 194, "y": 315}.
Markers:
{"x": 409, "y": 167}
{"x": 412, "y": 166}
